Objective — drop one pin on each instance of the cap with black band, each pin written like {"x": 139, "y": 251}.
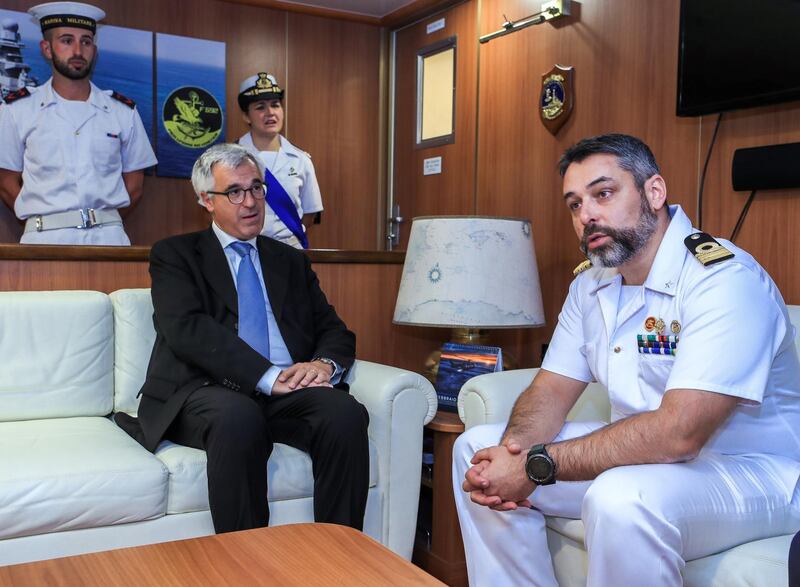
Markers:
{"x": 67, "y": 14}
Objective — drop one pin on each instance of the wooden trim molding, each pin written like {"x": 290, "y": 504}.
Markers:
{"x": 415, "y": 11}
{"x": 311, "y": 10}
{"x": 404, "y": 15}
{"x": 16, "y": 252}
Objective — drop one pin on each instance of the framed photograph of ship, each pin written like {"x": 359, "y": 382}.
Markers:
{"x": 124, "y": 61}
{"x": 190, "y": 109}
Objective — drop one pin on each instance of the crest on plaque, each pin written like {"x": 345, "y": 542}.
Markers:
{"x": 556, "y": 98}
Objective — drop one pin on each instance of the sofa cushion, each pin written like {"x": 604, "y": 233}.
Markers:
{"x": 288, "y": 470}
{"x": 69, "y": 473}
{"x": 134, "y": 336}
{"x": 58, "y": 355}
{"x": 762, "y": 562}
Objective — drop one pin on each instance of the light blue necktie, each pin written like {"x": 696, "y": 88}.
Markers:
{"x": 253, "y": 328}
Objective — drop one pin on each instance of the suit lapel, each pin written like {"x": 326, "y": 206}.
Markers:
{"x": 214, "y": 266}
{"x": 275, "y": 268}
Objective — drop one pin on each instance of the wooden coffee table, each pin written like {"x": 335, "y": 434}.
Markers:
{"x": 296, "y": 554}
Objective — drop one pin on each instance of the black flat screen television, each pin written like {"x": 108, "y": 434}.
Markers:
{"x": 737, "y": 54}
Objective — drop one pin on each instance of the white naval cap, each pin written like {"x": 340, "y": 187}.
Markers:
{"x": 261, "y": 86}
{"x": 67, "y": 14}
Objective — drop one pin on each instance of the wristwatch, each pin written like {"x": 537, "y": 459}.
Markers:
{"x": 540, "y": 466}
{"x": 327, "y": 361}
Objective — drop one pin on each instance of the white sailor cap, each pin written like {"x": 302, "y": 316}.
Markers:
{"x": 67, "y": 14}
{"x": 261, "y": 86}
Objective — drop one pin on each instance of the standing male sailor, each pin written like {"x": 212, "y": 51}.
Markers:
{"x": 73, "y": 156}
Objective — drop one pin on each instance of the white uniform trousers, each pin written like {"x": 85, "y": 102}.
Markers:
{"x": 641, "y": 521}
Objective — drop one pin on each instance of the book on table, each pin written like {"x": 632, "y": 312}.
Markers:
{"x": 459, "y": 363}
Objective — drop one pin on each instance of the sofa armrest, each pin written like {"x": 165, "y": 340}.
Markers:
{"x": 488, "y": 399}
{"x": 399, "y": 403}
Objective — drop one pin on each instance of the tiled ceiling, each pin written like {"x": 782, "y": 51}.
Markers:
{"x": 376, "y": 8}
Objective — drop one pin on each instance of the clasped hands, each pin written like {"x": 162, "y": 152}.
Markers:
{"x": 497, "y": 478}
{"x": 302, "y": 375}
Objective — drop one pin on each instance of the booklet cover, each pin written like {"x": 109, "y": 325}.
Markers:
{"x": 459, "y": 363}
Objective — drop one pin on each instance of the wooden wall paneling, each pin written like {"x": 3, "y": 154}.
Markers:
{"x": 105, "y": 276}
{"x": 769, "y": 232}
{"x": 333, "y": 89}
{"x": 625, "y": 56}
{"x": 452, "y": 191}
{"x": 365, "y": 298}
{"x": 256, "y": 41}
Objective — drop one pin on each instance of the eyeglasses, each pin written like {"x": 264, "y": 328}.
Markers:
{"x": 236, "y": 195}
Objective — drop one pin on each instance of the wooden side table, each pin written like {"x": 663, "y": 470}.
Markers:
{"x": 445, "y": 557}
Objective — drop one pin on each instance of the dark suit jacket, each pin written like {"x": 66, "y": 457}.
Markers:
{"x": 196, "y": 318}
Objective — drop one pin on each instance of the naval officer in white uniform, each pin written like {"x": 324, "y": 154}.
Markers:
{"x": 293, "y": 196}
{"x": 693, "y": 342}
{"x": 73, "y": 156}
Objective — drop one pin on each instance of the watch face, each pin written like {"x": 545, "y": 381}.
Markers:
{"x": 539, "y": 468}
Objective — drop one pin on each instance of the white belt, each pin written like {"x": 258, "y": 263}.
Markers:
{"x": 83, "y": 218}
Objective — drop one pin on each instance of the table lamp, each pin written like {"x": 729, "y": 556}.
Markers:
{"x": 469, "y": 274}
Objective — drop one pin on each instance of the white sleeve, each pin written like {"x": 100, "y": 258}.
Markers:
{"x": 310, "y": 197}
{"x": 136, "y": 150}
{"x": 12, "y": 153}
{"x": 733, "y": 327}
{"x": 566, "y": 352}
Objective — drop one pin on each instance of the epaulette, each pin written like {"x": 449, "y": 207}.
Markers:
{"x": 582, "y": 267}
{"x": 14, "y": 96}
{"x": 124, "y": 99}
{"x": 706, "y": 249}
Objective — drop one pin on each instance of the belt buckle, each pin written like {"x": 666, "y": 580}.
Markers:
{"x": 88, "y": 218}
{"x": 39, "y": 224}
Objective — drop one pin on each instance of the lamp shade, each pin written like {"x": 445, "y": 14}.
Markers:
{"x": 470, "y": 272}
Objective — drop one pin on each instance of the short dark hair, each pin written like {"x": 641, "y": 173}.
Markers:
{"x": 632, "y": 154}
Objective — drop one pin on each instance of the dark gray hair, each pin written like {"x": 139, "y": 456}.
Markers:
{"x": 632, "y": 154}
{"x": 228, "y": 155}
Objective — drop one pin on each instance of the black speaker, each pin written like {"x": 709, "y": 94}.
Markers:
{"x": 772, "y": 167}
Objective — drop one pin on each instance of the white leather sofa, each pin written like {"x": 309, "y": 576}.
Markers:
{"x": 72, "y": 482}
{"x": 488, "y": 399}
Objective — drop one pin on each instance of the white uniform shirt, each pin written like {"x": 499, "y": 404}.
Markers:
{"x": 735, "y": 338}
{"x": 65, "y": 167}
{"x": 293, "y": 169}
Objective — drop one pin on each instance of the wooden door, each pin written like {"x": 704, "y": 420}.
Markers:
{"x": 453, "y": 190}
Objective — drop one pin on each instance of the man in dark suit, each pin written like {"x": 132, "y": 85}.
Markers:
{"x": 248, "y": 352}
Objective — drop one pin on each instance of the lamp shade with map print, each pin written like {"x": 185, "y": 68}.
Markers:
{"x": 470, "y": 272}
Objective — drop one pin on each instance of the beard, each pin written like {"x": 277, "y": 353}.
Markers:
{"x": 71, "y": 72}
{"x": 625, "y": 242}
